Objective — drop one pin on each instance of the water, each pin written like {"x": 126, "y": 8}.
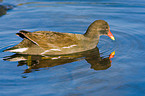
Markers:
{"x": 76, "y": 75}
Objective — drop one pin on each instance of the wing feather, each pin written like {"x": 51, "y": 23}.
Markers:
{"x": 49, "y": 39}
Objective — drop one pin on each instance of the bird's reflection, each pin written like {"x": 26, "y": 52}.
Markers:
{"x": 37, "y": 62}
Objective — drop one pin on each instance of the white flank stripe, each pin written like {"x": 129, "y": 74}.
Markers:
{"x": 19, "y": 50}
{"x": 45, "y": 52}
{"x": 69, "y": 46}
{"x": 55, "y": 49}
{"x": 50, "y": 50}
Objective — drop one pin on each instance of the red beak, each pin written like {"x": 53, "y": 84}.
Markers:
{"x": 111, "y": 35}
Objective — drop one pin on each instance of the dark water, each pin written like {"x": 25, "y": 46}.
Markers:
{"x": 78, "y": 75}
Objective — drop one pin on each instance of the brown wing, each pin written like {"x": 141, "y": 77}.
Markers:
{"x": 49, "y": 39}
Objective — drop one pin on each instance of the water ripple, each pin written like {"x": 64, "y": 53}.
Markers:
{"x": 126, "y": 44}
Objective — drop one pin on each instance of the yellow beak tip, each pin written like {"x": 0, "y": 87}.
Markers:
{"x": 112, "y": 38}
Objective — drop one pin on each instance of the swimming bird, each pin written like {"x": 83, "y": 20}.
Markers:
{"x": 4, "y": 8}
{"x": 56, "y": 43}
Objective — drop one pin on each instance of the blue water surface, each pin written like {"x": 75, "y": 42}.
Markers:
{"x": 125, "y": 77}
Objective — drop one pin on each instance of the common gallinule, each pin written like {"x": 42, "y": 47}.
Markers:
{"x": 56, "y": 43}
{"x": 4, "y": 8}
